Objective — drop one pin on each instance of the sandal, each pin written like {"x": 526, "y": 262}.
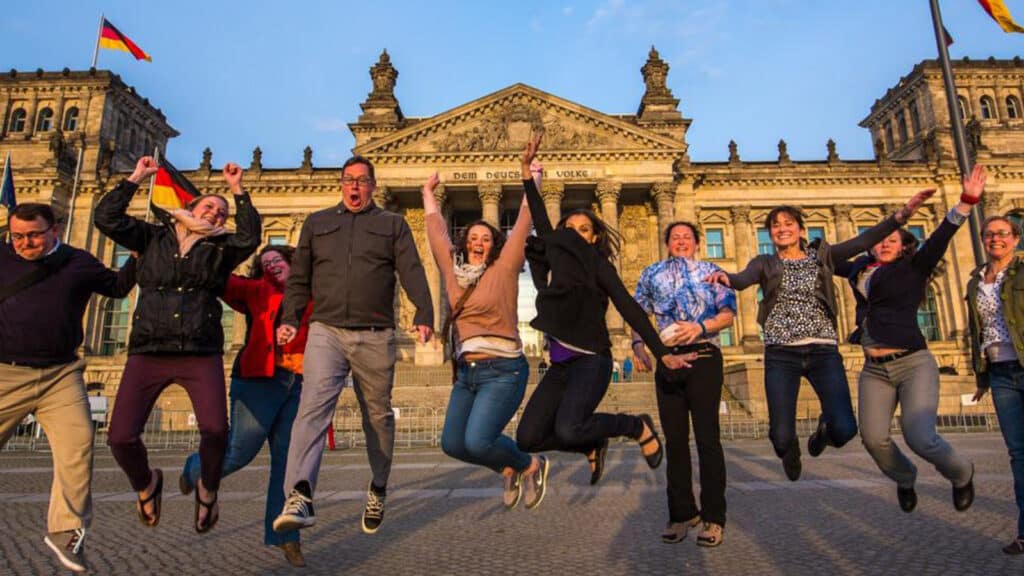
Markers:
{"x": 597, "y": 459}
{"x": 653, "y": 460}
{"x": 156, "y": 498}
{"x": 710, "y": 535}
{"x": 211, "y": 516}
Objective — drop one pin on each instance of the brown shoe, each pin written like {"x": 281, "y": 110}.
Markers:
{"x": 710, "y": 535}
{"x": 675, "y": 532}
{"x": 293, "y": 553}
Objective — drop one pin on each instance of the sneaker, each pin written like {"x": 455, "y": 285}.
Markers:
{"x": 675, "y": 532}
{"x": 1016, "y": 547}
{"x": 536, "y": 484}
{"x": 68, "y": 548}
{"x": 791, "y": 461}
{"x": 907, "y": 498}
{"x": 293, "y": 554}
{"x": 513, "y": 489}
{"x": 963, "y": 496}
{"x": 373, "y": 514}
{"x": 710, "y": 535}
{"x": 817, "y": 442}
{"x": 297, "y": 513}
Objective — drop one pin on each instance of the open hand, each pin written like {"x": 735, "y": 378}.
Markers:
{"x": 974, "y": 184}
{"x": 677, "y": 361}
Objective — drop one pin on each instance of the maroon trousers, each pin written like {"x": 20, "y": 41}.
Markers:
{"x": 145, "y": 377}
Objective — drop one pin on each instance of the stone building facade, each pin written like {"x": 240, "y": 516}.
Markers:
{"x": 632, "y": 169}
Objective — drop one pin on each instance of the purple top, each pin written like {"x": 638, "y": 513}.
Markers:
{"x": 559, "y": 353}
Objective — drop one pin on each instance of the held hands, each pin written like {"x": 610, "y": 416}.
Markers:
{"x": 285, "y": 334}
{"x": 233, "y": 176}
{"x": 979, "y": 394}
{"x": 915, "y": 202}
{"x": 677, "y": 361}
{"x": 424, "y": 333}
{"x": 144, "y": 168}
{"x": 641, "y": 358}
{"x": 718, "y": 277}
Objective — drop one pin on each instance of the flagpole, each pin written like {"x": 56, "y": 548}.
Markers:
{"x": 3, "y": 178}
{"x": 149, "y": 210}
{"x": 74, "y": 191}
{"x": 96, "y": 49}
{"x": 959, "y": 141}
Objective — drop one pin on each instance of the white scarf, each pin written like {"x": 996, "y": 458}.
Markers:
{"x": 467, "y": 274}
{"x": 190, "y": 230}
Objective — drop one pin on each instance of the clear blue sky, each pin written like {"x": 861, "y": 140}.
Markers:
{"x": 282, "y": 75}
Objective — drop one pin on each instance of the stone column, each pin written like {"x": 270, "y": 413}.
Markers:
{"x": 298, "y": 219}
{"x": 6, "y": 118}
{"x": 434, "y": 277}
{"x": 684, "y": 205}
{"x": 663, "y": 194}
{"x": 607, "y": 193}
{"x": 490, "y": 201}
{"x": 744, "y": 237}
{"x": 992, "y": 201}
{"x": 30, "y": 128}
{"x": 58, "y": 113}
{"x": 552, "y": 193}
{"x": 845, "y": 230}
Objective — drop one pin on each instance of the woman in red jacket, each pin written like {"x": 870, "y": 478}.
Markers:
{"x": 265, "y": 383}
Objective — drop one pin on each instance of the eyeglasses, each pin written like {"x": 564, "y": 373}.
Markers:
{"x": 35, "y": 235}
{"x": 362, "y": 181}
{"x": 272, "y": 262}
{"x": 1001, "y": 234}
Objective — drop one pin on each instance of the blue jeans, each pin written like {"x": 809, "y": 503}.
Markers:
{"x": 484, "y": 398}
{"x": 262, "y": 409}
{"x": 1007, "y": 381}
{"x": 823, "y": 366}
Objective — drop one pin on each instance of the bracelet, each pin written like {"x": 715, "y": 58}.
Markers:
{"x": 635, "y": 342}
{"x": 703, "y": 329}
{"x": 968, "y": 199}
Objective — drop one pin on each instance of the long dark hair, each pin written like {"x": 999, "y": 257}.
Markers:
{"x": 284, "y": 251}
{"x": 909, "y": 241}
{"x": 497, "y": 242}
{"x": 608, "y": 240}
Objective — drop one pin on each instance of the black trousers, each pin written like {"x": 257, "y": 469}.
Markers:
{"x": 560, "y": 413}
{"x": 695, "y": 391}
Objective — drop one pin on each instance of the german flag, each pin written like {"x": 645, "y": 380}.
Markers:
{"x": 1001, "y": 14}
{"x": 111, "y": 37}
{"x": 171, "y": 190}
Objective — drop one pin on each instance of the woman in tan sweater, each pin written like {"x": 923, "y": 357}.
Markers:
{"x": 481, "y": 277}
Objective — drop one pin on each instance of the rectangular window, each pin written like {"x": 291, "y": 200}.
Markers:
{"x": 917, "y": 231}
{"x": 915, "y": 120}
{"x": 277, "y": 239}
{"x": 726, "y": 337}
{"x": 121, "y": 255}
{"x": 764, "y": 242}
{"x": 862, "y": 229}
{"x": 815, "y": 233}
{"x": 714, "y": 243}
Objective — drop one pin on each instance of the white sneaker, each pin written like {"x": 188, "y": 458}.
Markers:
{"x": 68, "y": 548}
{"x": 297, "y": 513}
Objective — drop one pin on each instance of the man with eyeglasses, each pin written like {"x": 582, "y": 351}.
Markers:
{"x": 346, "y": 262}
{"x": 44, "y": 290}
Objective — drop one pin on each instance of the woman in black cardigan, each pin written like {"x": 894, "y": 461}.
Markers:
{"x": 889, "y": 285}
{"x": 571, "y": 266}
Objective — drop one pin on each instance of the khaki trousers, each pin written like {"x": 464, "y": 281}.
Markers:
{"x": 56, "y": 395}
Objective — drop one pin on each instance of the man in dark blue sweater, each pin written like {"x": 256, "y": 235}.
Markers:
{"x": 44, "y": 288}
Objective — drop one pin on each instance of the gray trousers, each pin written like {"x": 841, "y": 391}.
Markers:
{"x": 913, "y": 382}
{"x": 330, "y": 354}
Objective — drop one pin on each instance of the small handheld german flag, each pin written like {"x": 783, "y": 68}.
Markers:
{"x": 171, "y": 190}
{"x": 112, "y": 38}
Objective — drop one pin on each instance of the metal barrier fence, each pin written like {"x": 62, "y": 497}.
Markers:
{"x": 420, "y": 426}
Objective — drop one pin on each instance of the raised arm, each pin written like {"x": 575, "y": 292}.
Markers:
{"x": 631, "y": 312}
{"x": 739, "y": 280}
{"x": 514, "y": 252}
{"x": 865, "y": 240}
{"x": 931, "y": 252}
{"x": 248, "y": 228}
{"x": 437, "y": 228}
{"x": 111, "y": 214}
{"x": 531, "y": 186}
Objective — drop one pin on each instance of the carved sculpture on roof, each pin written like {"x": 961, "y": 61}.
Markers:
{"x": 257, "y": 159}
{"x": 307, "y": 159}
{"x": 734, "y": 154}
{"x": 783, "y": 152}
{"x": 833, "y": 156}
{"x": 383, "y": 75}
{"x": 973, "y": 130}
{"x": 207, "y": 159}
{"x": 509, "y": 129}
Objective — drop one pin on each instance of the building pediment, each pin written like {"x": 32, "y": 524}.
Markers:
{"x": 501, "y": 123}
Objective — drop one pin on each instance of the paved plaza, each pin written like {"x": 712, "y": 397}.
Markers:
{"x": 444, "y": 517}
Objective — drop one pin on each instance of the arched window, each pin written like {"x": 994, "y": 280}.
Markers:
{"x": 45, "y": 121}
{"x": 963, "y": 107}
{"x": 71, "y": 119}
{"x": 18, "y": 120}
{"x": 988, "y": 108}
{"x": 928, "y": 317}
{"x": 114, "y": 336}
{"x": 1012, "y": 107}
